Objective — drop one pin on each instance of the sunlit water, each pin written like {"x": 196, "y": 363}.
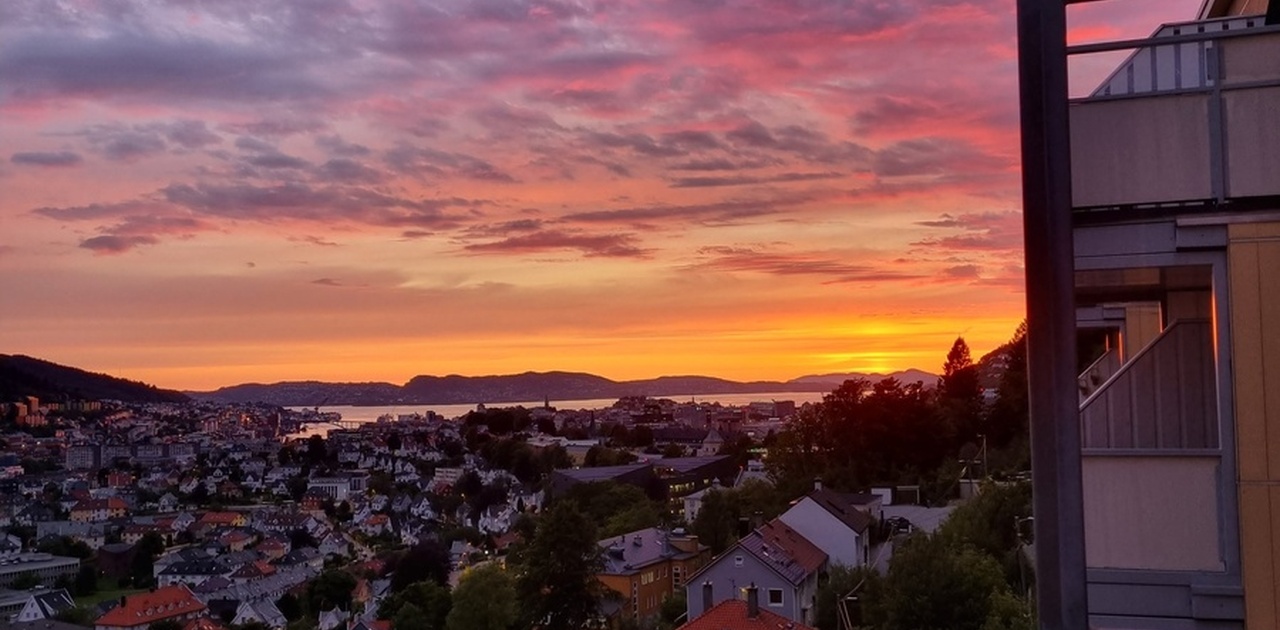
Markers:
{"x": 352, "y": 413}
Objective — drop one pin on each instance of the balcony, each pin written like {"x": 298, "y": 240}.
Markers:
{"x": 1187, "y": 120}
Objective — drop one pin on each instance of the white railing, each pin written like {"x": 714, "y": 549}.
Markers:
{"x": 1164, "y": 398}
{"x": 1182, "y": 65}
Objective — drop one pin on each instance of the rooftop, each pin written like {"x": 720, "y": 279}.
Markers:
{"x": 784, "y": 550}
{"x": 731, "y": 614}
{"x": 632, "y": 551}
{"x": 147, "y": 608}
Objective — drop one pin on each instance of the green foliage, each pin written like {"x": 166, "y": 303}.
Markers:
{"x": 931, "y": 586}
{"x": 78, "y": 615}
{"x": 842, "y": 583}
{"x": 989, "y": 522}
{"x": 717, "y": 522}
{"x": 603, "y": 500}
{"x": 1009, "y": 612}
{"x": 290, "y": 607}
{"x": 330, "y": 589}
{"x": 411, "y": 617}
{"x": 485, "y": 599}
{"x": 960, "y": 393}
{"x": 604, "y": 456}
{"x": 671, "y": 613}
{"x": 431, "y": 601}
{"x": 639, "y": 516}
{"x": 86, "y": 582}
{"x": 427, "y": 560}
{"x": 1009, "y": 417}
{"x": 556, "y": 582}
{"x": 66, "y": 546}
{"x": 24, "y": 582}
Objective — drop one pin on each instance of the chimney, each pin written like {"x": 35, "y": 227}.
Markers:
{"x": 817, "y": 483}
{"x": 707, "y": 603}
{"x": 753, "y": 601}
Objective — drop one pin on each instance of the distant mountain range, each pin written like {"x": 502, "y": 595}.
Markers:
{"x": 27, "y": 376}
{"x": 529, "y": 386}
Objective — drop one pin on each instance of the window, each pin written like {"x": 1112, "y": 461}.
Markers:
{"x": 775, "y": 597}
{"x": 737, "y": 561}
{"x": 675, "y": 576}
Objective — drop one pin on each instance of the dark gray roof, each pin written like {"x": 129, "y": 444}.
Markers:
{"x": 686, "y": 464}
{"x": 629, "y": 552}
{"x": 53, "y": 602}
{"x": 599, "y": 473}
{"x": 842, "y": 507}
{"x": 196, "y": 567}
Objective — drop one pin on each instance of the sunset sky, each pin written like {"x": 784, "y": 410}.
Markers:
{"x": 198, "y": 194}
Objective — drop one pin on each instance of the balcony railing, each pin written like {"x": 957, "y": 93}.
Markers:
{"x": 1099, "y": 372}
{"x": 1162, "y": 399}
{"x": 1187, "y": 120}
{"x": 1179, "y": 64}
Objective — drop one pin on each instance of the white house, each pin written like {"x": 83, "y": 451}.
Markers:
{"x": 832, "y": 522}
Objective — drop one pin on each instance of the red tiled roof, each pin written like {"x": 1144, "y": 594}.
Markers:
{"x": 731, "y": 614}
{"x": 805, "y": 553}
{"x": 147, "y": 608}
{"x": 219, "y": 517}
{"x": 112, "y": 503}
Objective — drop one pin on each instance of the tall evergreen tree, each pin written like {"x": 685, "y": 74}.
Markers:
{"x": 961, "y": 392}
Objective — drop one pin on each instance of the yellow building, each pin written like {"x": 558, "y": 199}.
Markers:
{"x": 645, "y": 567}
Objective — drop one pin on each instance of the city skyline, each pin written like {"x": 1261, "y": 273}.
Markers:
{"x": 208, "y": 195}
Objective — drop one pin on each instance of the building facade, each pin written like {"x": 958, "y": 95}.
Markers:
{"x": 1174, "y": 170}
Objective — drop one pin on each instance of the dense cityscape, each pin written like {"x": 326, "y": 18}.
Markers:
{"x": 649, "y": 513}
{"x": 610, "y": 314}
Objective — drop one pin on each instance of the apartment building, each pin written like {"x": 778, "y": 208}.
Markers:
{"x": 1174, "y": 201}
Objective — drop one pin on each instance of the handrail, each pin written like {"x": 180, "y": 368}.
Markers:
{"x": 1149, "y": 42}
{"x": 1109, "y": 355}
{"x": 1147, "y": 349}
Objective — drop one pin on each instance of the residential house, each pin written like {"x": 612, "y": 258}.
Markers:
{"x": 375, "y": 524}
{"x": 778, "y": 560}
{"x": 192, "y": 572}
{"x": 834, "y": 523}
{"x": 98, "y": 510}
{"x": 45, "y": 605}
{"x": 262, "y": 611}
{"x": 754, "y": 470}
{"x": 647, "y": 566}
{"x": 139, "y": 611}
{"x": 273, "y": 546}
{"x": 92, "y": 534}
{"x": 334, "y": 544}
{"x": 251, "y": 571}
{"x": 738, "y": 614}
{"x": 333, "y": 619}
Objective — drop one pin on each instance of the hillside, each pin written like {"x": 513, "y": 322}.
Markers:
{"x": 26, "y": 376}
{"x": 529, "y": 386}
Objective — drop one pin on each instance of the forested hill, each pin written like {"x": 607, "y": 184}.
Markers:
{"x": 526, "y": 387}
{"x": 26, "y": 376}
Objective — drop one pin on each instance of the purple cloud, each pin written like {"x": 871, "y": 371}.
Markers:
{"x": 52, "y": 159}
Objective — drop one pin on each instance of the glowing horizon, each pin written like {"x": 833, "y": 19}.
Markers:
{"x": 200, "y": 196}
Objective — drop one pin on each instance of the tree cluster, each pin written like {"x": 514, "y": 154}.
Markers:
{"x": 866, "y": 433}
{"x": 964, "y": 577}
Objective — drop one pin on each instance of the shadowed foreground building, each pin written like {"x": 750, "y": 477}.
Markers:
{"x": 1174, "y": 217}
